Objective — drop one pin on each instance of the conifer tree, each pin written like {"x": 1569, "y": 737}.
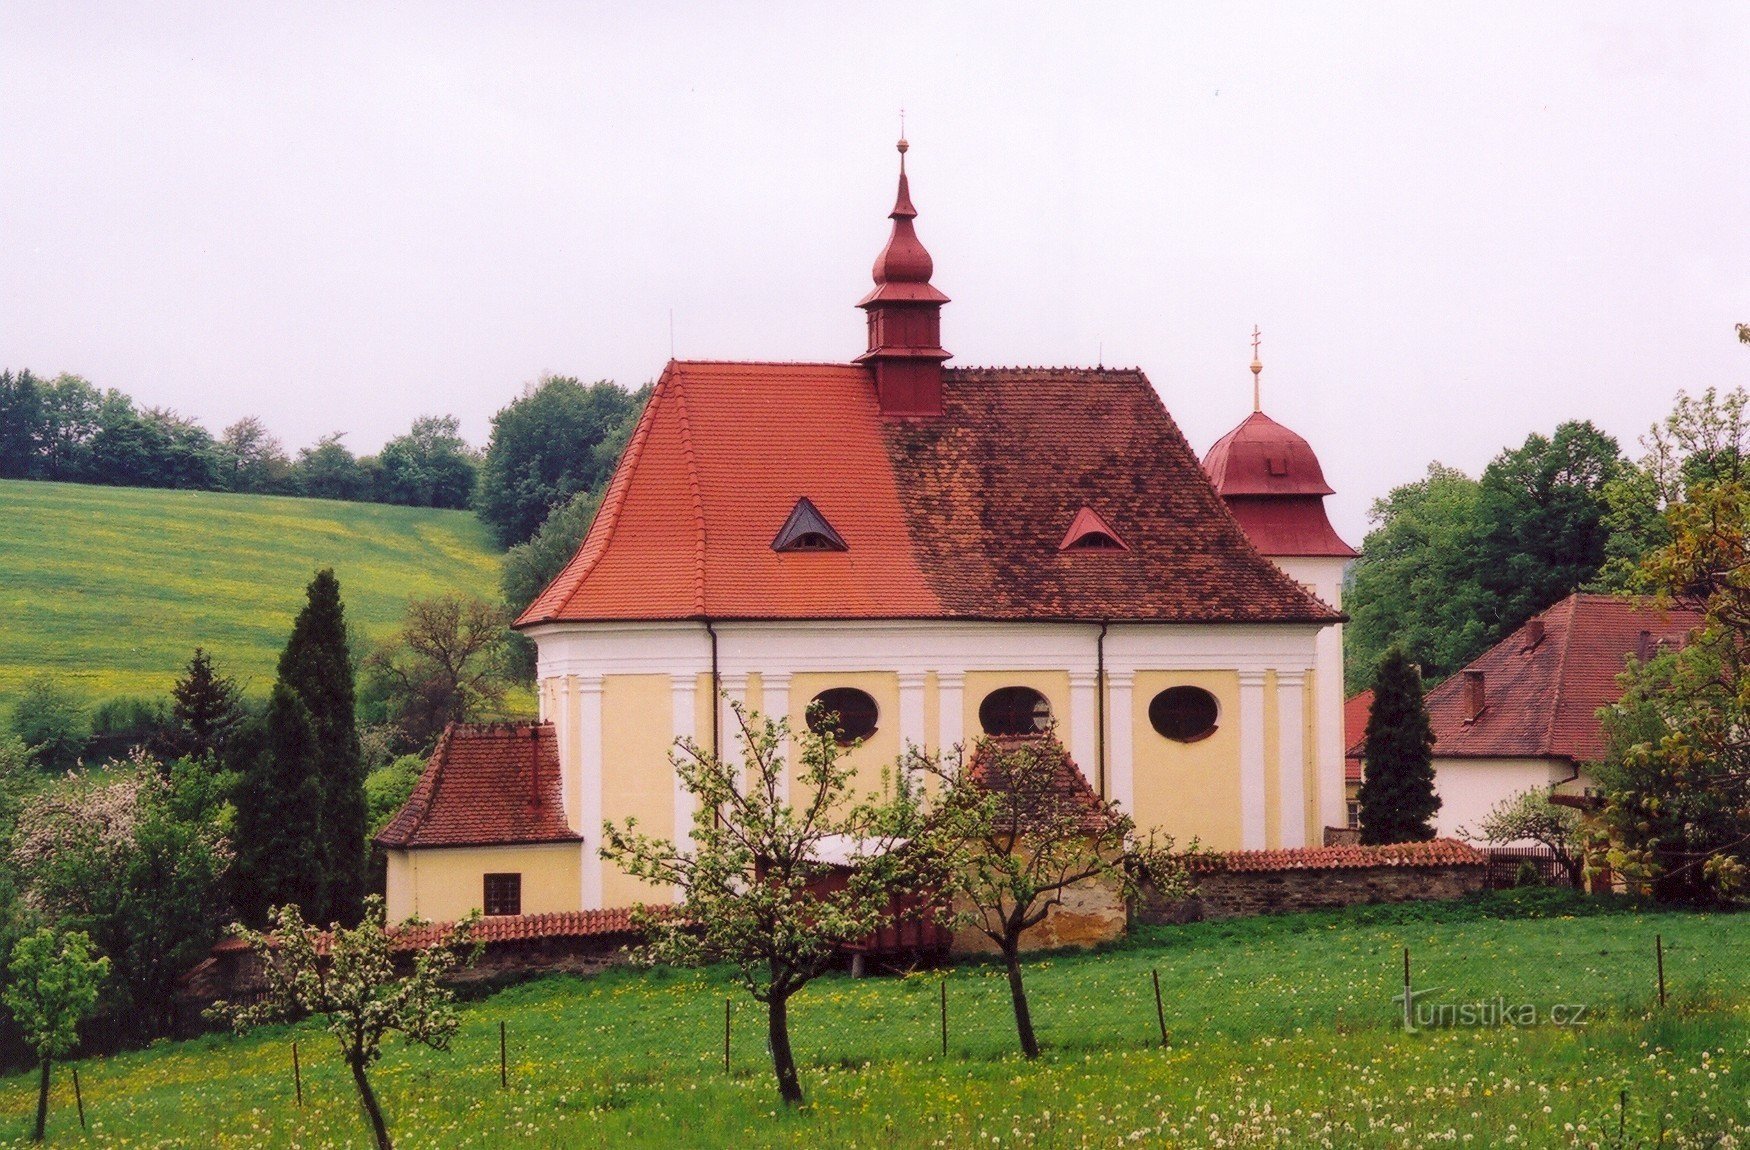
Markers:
{"x": 206, "y": 708}
{"x": 1397, "y": 792}
{"x": 317, "y": 666}
{"x": 279, "y": 805}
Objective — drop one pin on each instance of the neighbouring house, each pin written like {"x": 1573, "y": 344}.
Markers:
{"x": 1524, "y": 714}
{"x": 934, "y": 554}
{"x": 1355, "y": 712}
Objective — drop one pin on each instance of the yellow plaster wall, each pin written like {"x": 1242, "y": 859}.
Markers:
{"x": 442, "y": 884}
{"x": 876, "y": 754}
{"x": 637, "y": 778}
{"x": 1054, "y": 685}
{"x": 1189, "y": 790}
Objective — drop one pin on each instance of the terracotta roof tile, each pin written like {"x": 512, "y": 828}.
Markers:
{"x": 1436, "y": 852}
{"x": 498, "y": 928}
{"x": 1542, "y": 700}
{"x": 956, "y": 516}
{"x": 486, "y": 784}
{"x": 1064, "y": 787}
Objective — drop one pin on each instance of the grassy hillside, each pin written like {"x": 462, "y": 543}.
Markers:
{"x": 1283, "y": 1032}
{"x": 111, "y": 588}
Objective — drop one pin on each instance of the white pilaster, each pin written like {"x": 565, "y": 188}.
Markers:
{"x": 685, "y": 693}
{"x": 1120, "y": 751}
{"x": 775, "y": 696}
{"x": 911, "y": 711}
{"x": 1291, "y": 758}
{"x": 732, "y": 749}
{"x": 589, "y": 691}
{"x": 950, "y": 710}
{"x": 1083, "y": 706}
{"x": 568, "y": 716}
{"x": 1252, "y": 836}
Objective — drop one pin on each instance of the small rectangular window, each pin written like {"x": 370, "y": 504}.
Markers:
{"x": 1354, "y": 815}
{"x": 504, "y": 894}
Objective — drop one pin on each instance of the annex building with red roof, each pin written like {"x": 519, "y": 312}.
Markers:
{"x": 1524, "y": 714}
{"x": 934, "y": 553}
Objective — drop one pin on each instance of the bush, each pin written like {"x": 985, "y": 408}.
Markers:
{"x": 51, "y": 721}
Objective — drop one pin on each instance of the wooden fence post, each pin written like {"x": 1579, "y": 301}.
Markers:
{"x": 1409, "y": 1016}
{"x": 1659, "y": 955}
{"x": 78, "y": 1098}
{"x": 1160, "y": 1011}
{"x": 726, "y": 1009}
{"x": 503, "y": 1062}
{"x": 944, "y": 1016}
{"x": 297, "y": 1074}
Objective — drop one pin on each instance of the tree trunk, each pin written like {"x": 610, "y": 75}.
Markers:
{"x": 42, "y": 1103}
{"x": 369, "y": 1098}
{"x": 1018, "y": 992}
{"x": 783, "y": 1062}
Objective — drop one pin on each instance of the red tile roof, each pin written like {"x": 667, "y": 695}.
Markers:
{"x": 1355, "y": 712}
{"x": 1436, "y": 852}
{"x": 955, "y": 516}
{"x": 1541, "y": 700}
{"x": 495, "y": 929}
{"x": 487, "y": 783}
{"x": 1061, "y": 786}
{"x": 1275, "y": 488}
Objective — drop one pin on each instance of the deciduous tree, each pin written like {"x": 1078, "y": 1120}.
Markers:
{"x": 1013, "y": 832}
{"x": 430, "y": 466}
{"x": 55, "y": 982}
{"x": 356, "y": 987}
{"x": 1530, "y": 816}
{"x": 750, "y": 877}
{"x": 559, "y": 438}
{"x": 447, "y": 665}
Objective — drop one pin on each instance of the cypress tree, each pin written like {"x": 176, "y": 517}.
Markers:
{"x": 279, "y": 801}
{"x": 1397, "y": 793}
{"x": 317, "y": 666}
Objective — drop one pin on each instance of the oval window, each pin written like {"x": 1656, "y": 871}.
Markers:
{"x": 1184, "y": 714}
{"x": 849, "y": 713}
{"x": 1014, "y": 711}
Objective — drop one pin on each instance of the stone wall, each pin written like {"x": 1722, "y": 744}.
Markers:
{"x": 1242, "y": 883}
{"x": 1092, "y": 911}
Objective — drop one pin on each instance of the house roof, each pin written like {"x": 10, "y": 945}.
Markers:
{"x": 1355, "y": 711}
{"x": 486, "y": 784}
{"x": 1059, "y": 787}
{"x": 954, "y": 516}
{"x": 1541, "y": 699}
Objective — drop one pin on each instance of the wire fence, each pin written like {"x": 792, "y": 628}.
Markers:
{"x": 1137, "y": 997}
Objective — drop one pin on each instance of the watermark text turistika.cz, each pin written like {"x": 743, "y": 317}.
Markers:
{"x": 1497, "y": 1011}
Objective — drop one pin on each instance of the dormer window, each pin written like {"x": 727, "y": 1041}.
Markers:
{"x": 807, "y": 530}
{"x": 1088, "y": 532}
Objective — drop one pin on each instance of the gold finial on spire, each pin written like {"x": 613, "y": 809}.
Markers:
{"x": 903, "y": 146}
{"x": 1257, "y": 368}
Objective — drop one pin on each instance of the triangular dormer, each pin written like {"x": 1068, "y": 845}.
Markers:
{"x": 807, "y": 530}
{"x": 1088, "y": 532}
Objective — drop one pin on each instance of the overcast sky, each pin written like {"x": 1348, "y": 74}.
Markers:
{"x": 1455, "y": 224}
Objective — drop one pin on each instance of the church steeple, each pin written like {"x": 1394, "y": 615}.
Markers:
{"x": 905, "y": 317}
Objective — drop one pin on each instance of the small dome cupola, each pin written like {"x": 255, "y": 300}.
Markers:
{"x": 1273, "y": 484}
{"x": 905, "y": 317}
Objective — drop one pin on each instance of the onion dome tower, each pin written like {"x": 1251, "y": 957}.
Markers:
{"x": 1272, "y": 482}
{"x": 905, "y": 317}
{"x": 1270, "y": 479}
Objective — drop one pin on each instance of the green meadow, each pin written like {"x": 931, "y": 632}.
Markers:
{"x": 111, "y": 588}
{"x": 1281, "y": 1032}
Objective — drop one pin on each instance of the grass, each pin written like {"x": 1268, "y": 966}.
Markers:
{"x": 111, "y": 588}
{"x": 1283, "y": 1034}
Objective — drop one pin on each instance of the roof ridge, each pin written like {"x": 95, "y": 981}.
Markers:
{"x": 1561, "y": 677}
{"x": 607, "y": 516}
{"x": 686, "y": 429}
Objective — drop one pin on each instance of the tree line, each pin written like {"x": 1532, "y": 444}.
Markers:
{"x": 67, "y": 429}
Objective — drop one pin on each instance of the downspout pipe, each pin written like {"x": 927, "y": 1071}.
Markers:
{"x": 1100, "y": 706}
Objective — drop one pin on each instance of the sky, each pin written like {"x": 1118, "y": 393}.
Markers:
{"x": 1454, "y": 224}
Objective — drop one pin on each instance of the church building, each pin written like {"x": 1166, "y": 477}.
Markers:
{"x": 936, "y": 554}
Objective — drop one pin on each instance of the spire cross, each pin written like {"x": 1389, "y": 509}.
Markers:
{"x": 1257, "y": 369}
{"x": 903, "y": 146}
